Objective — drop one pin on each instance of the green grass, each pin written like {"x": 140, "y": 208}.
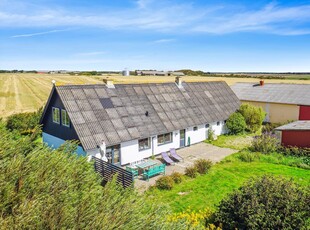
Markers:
{"x": 238, "y": 142}
{"x": 208, "y": 190}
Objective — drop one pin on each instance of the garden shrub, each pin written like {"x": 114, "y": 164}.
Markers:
{"x": 196, "y": 219}
{"x": 202, "y": 165}
{"x": 246, "y": 156}
{"x": 254, "y": 116}
{"x": 165, "y": 183}
{"x": 176, "y": 177}
{"x": 295, "y": 151}
{"x": 24, "y": 123}
{"x": 211, "y": 134}
{"x": 270, "y": 127}
{"x": 236, "y": 123}
{"x": 266, "y": 203}
{"x": 191, "y": 171}
{"x": 265, "y": 143}
{"x": 42, "y": 188}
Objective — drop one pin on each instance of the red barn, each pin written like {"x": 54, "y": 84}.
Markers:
{"x": 304, "y": 112}
{"x": 295, "y": 134}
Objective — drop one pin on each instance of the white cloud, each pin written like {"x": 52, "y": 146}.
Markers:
{"x": 39, "y": 33}
{"x": 165, "y": 16}
{"x": 270, "y": 19}
{"x": 166, "y": 40}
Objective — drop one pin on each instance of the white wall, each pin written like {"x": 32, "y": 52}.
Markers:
{"x": 130, "y": 149}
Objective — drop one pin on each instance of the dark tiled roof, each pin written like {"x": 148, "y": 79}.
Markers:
{"x": 298, "y": 94}
{"x": 169, "y": 108}
{"x": 297, "y": 125}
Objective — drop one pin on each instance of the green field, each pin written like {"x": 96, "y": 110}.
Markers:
{"x": 25, "y": 92}
{"x": 208, "y": 190}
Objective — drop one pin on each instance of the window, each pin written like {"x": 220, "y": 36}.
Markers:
{"x": 164, "y": 139}
{"x": 56, "y": 115}
{"x": 195, "y": 128}
{"x": 65, "y": 118}
{"x": 218, "y": 123}
{"x": 144, "y": 144}
{"x": 207, "y": 126}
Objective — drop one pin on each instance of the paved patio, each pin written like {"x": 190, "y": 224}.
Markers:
{"x": 189, "y": 154}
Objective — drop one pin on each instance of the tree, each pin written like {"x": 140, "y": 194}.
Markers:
{"x": 42, "y": 188}
{"x": 24, "y": 123}
{"x": 236, "y": 123}
{"x": 266, "y": 203}
{"x": 254, "y": 116}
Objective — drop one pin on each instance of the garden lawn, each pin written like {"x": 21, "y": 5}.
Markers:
{"x": 233, "y": 141}
{"x": 208, "y": 190}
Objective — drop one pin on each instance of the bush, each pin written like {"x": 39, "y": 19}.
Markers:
{"x": 246, "y": 156}
{"x": 236, "y": 123}
{"x": 176, "y": 177}
{"x": 295, "y": 151}
{"x": 202, "y": 166}
{"x": 266, "y": 203}
{"x": 254, "y": 116}
{"x": 191, "y": 171}
{"x": 165, "y": 183}
{"x": 270, "y": 127}
{"x": 211, "y": 134}
{"x": 45, "y": 189}
{"x": 265, "y": 143}
{"x": 24, "y": 123}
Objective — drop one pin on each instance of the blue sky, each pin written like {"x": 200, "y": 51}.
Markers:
{"x": 207, "y": 35}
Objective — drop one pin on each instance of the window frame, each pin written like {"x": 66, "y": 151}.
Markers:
{"x": 65, "y": 117}
{"x": 165, "y": 139}
{"x": 195, "y": 128}
{"x": 218, "y": 123}
{"x": 207, "y": 126}
{"x": 53, "y": 115}
{"x": 148, "y": 144}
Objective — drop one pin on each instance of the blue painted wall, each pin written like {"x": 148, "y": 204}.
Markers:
{"x": 55, "y": 142}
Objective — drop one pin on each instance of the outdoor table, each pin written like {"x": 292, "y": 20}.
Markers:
{"x": 146, "y": 165}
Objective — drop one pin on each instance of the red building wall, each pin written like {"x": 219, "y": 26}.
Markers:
{"x": 304, "y": 112}
{"x": 296, "y": 138}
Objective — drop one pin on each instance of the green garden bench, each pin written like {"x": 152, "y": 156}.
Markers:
{"x": 132, "y": 170}
{"x": 154, "y": 171}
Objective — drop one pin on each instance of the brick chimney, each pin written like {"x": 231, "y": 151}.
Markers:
{"x": 108, "y": 82}
{"x": 261, "y": 82}
{"x": 178, "y": 81}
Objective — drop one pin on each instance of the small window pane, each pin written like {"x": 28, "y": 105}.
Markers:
{"x": 144, "y": 144}
{"x": 218, "y": 123}
{"x": 207, "y": 126}
{"x": 56, "y": 115}
{"x": 195, "y": 128}
{"x": 164, "y": 138}
{"x": 65, "y": 118}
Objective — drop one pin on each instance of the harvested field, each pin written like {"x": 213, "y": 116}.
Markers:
{"x": 28, "y": 92}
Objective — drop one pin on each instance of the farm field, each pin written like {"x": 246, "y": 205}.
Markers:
{"x": 28, "y": 92}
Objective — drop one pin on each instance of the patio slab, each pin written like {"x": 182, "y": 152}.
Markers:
{"x": 189, "y": 154}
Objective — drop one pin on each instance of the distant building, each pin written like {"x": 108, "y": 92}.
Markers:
{"x": 126, "y": 72}
{"x": 281, "y": 102}
{"x": 176, "y": 73}
{"x": 295, "y": 134}
{"x": 157, "y": 73}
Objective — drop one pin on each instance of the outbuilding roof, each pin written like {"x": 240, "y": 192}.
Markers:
{"x": 297, "y": 94}
{"x": 135, "y": 111}
{"x": 296, "y": 125}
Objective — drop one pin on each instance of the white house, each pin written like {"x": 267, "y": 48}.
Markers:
{"x": 136, "y": 121}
